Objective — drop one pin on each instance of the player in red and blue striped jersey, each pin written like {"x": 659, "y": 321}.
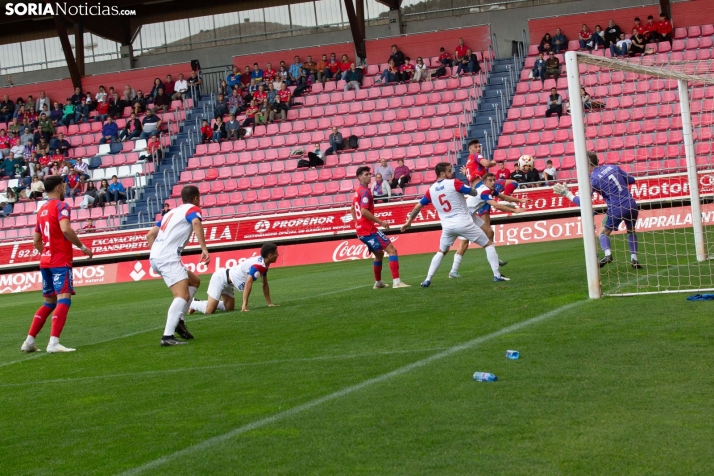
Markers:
{"x": 366, "y": 226}
{"x": 54, "y": 238}
{"x": 613, "y": 184}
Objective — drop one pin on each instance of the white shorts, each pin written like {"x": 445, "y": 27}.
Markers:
{"x": 220, "y": 285}
{"x": 172, "y": 271}
{"x": 478, "y": 221}
{"x": 465, "y": 229}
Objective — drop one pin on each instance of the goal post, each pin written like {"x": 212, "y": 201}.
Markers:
{"x": 645, "y": 126}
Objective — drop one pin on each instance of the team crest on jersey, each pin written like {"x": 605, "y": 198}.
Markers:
{"x": 365, "y": 200}
{"x": 64, "y": 213}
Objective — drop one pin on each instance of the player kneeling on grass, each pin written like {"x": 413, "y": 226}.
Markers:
{"x": 53, "y": 239}
{"x": 447, "y": 197}
{"x": 240, "y": 277}
{"x": 479, "y": 207}
{"x": 166, "y": 241}
{"x": 613, "y": 184}
{"x": 366, "y": 226}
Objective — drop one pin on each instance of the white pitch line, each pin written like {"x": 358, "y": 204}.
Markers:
{"x": 222, "y": 366}
{"x": 216, "y": 440}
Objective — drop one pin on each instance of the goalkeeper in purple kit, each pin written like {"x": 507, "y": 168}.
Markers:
{"x": 613, "y": 184}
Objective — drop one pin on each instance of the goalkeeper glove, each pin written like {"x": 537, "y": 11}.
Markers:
{"x": 561, "y": 189}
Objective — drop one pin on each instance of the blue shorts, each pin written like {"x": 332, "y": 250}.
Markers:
{"x": 57, "y": 281}
{"x": 375, "y": 242}
{"x": 614, "y": 217}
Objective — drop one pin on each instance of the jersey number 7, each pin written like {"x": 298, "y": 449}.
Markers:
{"x": 444, "y": 203}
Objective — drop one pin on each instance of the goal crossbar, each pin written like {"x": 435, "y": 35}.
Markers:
{"x": 667, "y": 70}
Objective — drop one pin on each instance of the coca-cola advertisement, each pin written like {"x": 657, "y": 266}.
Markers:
{"x": 338, "y": 221}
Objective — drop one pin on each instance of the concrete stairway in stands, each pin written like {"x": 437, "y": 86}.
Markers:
{"x": 493, "y": 106}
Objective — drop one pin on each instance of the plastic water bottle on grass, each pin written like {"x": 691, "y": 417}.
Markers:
{"x": 485, "y": 377}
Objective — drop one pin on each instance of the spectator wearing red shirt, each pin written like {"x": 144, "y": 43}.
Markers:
{"x": 169, "y": 86}
{"x": 89, "y": 227}
{"x": 269, "y": 74}
{"x": 344, "y": 66}
{"x": 206, "y": 132}
{"x": 664, "y": 28}
{"x": 502, "y": 173}
{"x": 245, "y": 77}
{"x": 74, "y": 184}
{"x": 333, "y": 68}
{"x": 250, "y": 115}
{"x": 407, "y": 69}
{"x": 585, "y": 36}
{"x": 460, "y": 50}
{"x": 445, "y": 58}
{"x": 650, "y": 33}
{"x": 260, "y": 94}
{"x": 639, "y": 27}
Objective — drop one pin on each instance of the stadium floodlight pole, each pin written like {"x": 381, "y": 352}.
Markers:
{"x": 583, "y": 170}
{"x": 692, "y": 175}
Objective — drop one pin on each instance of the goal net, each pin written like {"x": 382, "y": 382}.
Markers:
{"x": 650, "y": 117}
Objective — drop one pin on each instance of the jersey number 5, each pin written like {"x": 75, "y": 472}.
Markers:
{"x": 444, "y": 203}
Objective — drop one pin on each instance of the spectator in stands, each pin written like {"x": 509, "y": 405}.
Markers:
{"x": 402, "y": 174}
{"x": 221, "y": 108}
{"x": 269, "y": 74}
{"x": 612, "y": 33}
{"x": 314, "y": 158}
{"x": 390, "y": 74}
{"x": 45, "y": 128}
{"x": 282, "y": 104}
{"x": 664, "y": 28}
{"x": 385, "y": 170}
{"x": 322, "y": 70}
{"x": 14, "y": 126}
{"x": 637, "y": 43}
{"x": 7, "y": 167}
{"x": 310, "y": 70}
{"x": 461, "y": 50}
{"x": 264, "y": 109}
{"x": 166, "y": 209}
{"x": 89, "y": 227}
{"x": 502, "y": 173}
{"x": 530, "y": 175}
{"x": 219, "y": 130}
{"x": 245, "y": 77}
{"x": 445, "y": 58}
{"x": 552, "y": 66}
{"x": 468, "y": 64}
{"x": 131, "y": 130}
{"x": 82, "y": 111}
{"x": 37, "y": 188}
{"x": 235, "y": 102}
{"x": 61, "y": 144}
{"x": 598, "y": 38}
{"x": 138, "y": 104}
{"x": 116, "y": 106}
{"x": 585, "y": 37}
{"x": 26, "y": 135}
{"x": 102, "y": 111}
{"x": 180, "y": 88}
{"x": 233, "y": 79}
{"x": 283, "y": 77}
{"x": 155, "y": 89}
{"x": 546, "y": 44}
{"x": 129, "y": 94}
{"x": 586, "y": 99}
{"x": 152, "y": 150}
{"x": 638, "y": 26}
{"x": 420, "y": 71}
{"x": 344, "y": 66}
{"x": 206, "y": 132}
{"x": 539, "y": 68}
{"x": 41, "y": 101}
{"x": 560, "y": 42}
{"x": 194, "y": 85}
{"x": 620, "y": 48}
{"x": 257, "y": 73}
{"x": 650, "y": 34}
{"x": 333, "y": 68}
{"x": 10, "y": 201}
{"x": 259, "y": 94}
{"x": 74, "y": 184}
{"x": 232, "y": 127}
{"x": 4, "y": 143}
{"x": 397, "y": 56}
{"x": 353, "y": 78}
{"x": 549, "y": 173}
{"x": 162, "y": 100}
{"x": 7, "y": 108}
{"x": 406, "y": 70}
{"x": 101, "y": 94}
{"x": 110, "y": 131}
{"x": 250, "y": 114}
{"x": 116, "y": 192}
{"x": 43, "y": 147}
{"x": 77, "y": 96}
{"x": 69, "y": 113}
{"x": 555, "y": 103}
{"x": 55, "y": 114}
{"x": 381, "y": 191}
{"x": 296, "y": 77}
{"x": 150, "y": 118}
{"x": 336, "y": 142}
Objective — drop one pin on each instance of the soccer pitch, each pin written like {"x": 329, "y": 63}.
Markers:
{"x": 344, "y": 379}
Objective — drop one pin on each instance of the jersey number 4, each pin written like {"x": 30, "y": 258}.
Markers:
{"x": 444, "y": 203}
{"x": 165, "y": 223}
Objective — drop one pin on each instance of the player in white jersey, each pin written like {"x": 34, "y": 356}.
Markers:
{"x": 447, "y": 196}
{"x": 166, "y": 241}
{"x": 480, "y": 206}
{"x": 240, "y": 277}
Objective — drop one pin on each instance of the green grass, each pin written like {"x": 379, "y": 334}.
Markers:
{"x": 616, "y": 386}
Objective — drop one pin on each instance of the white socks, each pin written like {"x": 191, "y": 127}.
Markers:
{"x": 191, "y": 293}
{"x": 457, "y": 263}
{"x": 608, "y": 252}
{"x": 30, "y": 340}
{"x": 54, "y": 340}
{"x": 176, "y": 312}
{"x": 435, "y": 263}
{"x": 492, "y": 258}
{"x": 633, "y": 256}
{"x": 200, "y": 306}
{"x": 396, "y": 281}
